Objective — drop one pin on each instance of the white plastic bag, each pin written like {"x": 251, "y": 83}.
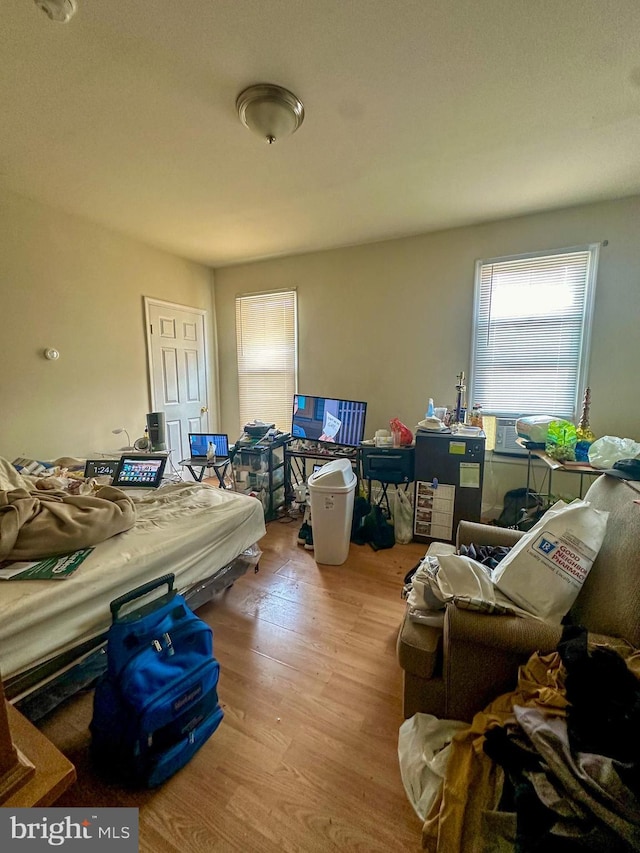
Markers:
{"x": 424, "y": 744}
{"x": 605, "y": 451}
{"x": 425, "y": 593}
{"x": 545, "y": 570}
{"x": 458, "y": 579}
{"x": 402, "y": 517}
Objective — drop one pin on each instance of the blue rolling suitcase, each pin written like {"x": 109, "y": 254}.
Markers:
{"x": 157, "y": 703}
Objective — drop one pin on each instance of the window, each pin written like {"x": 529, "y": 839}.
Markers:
{"x": 532, "y": 325}
{"x": 267, "y": 349}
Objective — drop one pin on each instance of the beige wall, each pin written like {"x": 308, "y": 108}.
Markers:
{"x": 390, "y": 322}
{"x": 75, "y": 286}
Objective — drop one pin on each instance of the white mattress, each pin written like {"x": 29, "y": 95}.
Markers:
{"x": 189, "y": 529}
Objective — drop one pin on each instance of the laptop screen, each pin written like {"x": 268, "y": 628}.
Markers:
{"x": 199, "y": 442}
{"x": 139, "y": 471}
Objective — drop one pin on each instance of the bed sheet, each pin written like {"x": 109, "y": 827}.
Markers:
{"x": 190, "y": 529}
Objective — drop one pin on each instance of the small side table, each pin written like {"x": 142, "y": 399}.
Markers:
{"x": 51, "y": 772}
{"x": 554, "y": 465}
{"x": 389, "y": 466}
{"x": 220, "y": 466}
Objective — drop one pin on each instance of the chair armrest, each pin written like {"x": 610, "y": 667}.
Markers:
{"x": 509, "y": 633}
{"x": 482, "y": 653}
{"x": 485, "y": 534}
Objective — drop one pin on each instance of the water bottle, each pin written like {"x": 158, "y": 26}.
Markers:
{"x": 430, "y": 408}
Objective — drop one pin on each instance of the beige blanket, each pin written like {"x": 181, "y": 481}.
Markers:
{"x": 33, "y": 526}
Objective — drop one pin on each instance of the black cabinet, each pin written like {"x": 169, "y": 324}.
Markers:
{"x": 449, "y": 472}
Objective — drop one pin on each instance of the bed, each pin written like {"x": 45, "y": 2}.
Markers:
{"x": 205, "y": 536}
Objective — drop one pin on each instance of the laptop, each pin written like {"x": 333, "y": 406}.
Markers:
{"x": 199, "y": 443}
{"x": 139, "y": 471}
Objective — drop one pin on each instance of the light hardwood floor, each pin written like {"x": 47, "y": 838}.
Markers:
{"x": 306, "y": 756}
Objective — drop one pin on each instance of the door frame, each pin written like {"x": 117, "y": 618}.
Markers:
{"x": 211, "y": 393}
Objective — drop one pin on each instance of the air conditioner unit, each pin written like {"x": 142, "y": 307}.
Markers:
{"x": 506, "y": 436}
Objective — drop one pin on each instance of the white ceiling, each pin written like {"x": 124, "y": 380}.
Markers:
{"x": 420, "y": 115}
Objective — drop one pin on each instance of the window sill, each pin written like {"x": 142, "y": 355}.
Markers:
{"x": 504, "y": 459}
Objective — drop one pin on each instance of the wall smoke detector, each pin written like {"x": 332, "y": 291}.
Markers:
{"x": 60, "y": 11}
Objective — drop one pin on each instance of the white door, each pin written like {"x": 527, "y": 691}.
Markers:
{"x": 177, "y": 346}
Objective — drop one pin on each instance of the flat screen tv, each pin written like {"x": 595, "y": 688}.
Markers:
{"x": 328, "y": 419}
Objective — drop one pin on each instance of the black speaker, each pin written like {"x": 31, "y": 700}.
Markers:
{"x": 156, "y": 427}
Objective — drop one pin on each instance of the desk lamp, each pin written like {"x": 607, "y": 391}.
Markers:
{"x": 119, "y": 431}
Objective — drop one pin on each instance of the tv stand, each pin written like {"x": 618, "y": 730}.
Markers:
{"x": 303, "y": 454}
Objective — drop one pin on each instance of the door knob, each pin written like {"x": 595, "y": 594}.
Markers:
{"x": 204, "y": 410}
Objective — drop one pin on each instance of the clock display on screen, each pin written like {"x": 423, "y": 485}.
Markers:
{"x": 100, "y": 467}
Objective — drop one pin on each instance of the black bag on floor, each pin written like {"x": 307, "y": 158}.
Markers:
{"x": 521, "y": 509}
{"x": 376, "y": 530}
{"x": 157, "y": 703}
{"x": 361, "y": 509}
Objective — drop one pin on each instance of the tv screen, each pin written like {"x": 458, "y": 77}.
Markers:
{"x": 327, "y": 419}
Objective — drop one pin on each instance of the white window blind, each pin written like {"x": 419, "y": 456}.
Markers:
{"x": 267, "y": 350}
{"x": 532, "y": 326}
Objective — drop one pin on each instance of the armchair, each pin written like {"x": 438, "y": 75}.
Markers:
{"x": 455, "y": 666}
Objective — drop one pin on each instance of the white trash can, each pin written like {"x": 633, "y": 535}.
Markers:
{"x": 332, "y": 490}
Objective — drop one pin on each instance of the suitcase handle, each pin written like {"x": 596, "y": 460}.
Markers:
{"x": 139, "y": 591}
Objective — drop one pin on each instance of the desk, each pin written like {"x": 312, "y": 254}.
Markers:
{"x": 554, "y": 465}
{"x": 220, "y": 467}
{"x": 296, "y": 464}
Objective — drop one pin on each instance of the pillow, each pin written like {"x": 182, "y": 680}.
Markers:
{"x": 10, "y": 478}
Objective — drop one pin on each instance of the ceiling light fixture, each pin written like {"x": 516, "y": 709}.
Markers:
{"x": 270, "y": 111}
{"x": 60, "y": 11}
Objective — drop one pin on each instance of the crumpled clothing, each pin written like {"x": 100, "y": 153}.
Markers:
{"x": 487, "y": 555}
{"x": 46, "y": 524}
{"x": 565, "y": 798}
{"x": 473, "y": 782}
